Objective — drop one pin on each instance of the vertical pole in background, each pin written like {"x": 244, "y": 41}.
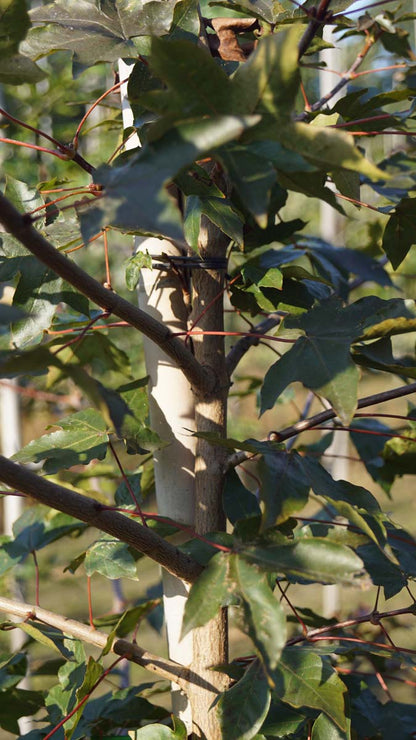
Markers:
{"x": 330, "y": 227}
{"x": 172, "y": 413}
{"x": 11, "y": 442}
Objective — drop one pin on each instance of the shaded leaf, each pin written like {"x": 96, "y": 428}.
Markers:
{"x": 324, "y": 729}
{"x": 14, "y": 24}
{"x": 243, "y": 708}
{"x": 252, "y": 177}
{"x": 18, "y": 69}
{"x": 96, "y": 34}
{"x": 269, "y": 81}
{"x": 282, "y": 720}
{"x": 239, "y": 502}
{"x": 399, "y": 234}
{"x": 134, "y": 196}
{"x": 161, "y": 732}
{"x": 263, "y": 614}
{"x": 18, "y": 703}
{"x": 12, "y": 670}
{"x": 321, "y": 358}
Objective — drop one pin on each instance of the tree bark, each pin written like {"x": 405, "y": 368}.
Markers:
{"x": 210, "y": 641}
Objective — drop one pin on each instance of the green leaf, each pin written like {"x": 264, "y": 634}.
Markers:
{"x": 186, "y": 23}
{"x": 12, "y": 670}
{"x": 161, "y": 732}
{"x": 263, "y": 614}
{"x": 199, "y": 85}
{"x": 40, "y": 635}
{"x": 243, "y": 708}
{"x": 207, "y": 594}
{"x": 269, "y": 81}
{"x": 18, "y": 69}
{"x": 14, "y": 24}
{"x": 223, "y": 215}
{"x": 133, "y": 427}
{"x": 94, "y": 34}
{"x": 328, "y": 149}
{"x": 134, "y": 267}
{"x": 252, "y": 177}
{"x": 399, "y": 234}
{"x": 324, "y": 729}
{"x": 135, "y": 198}
{"x": 82, "y": 438}
{"x": 370, "y": 448}
{"x": 94, "y": 671}
{"x": 305, "y": 679}
{"x": 320, "y": 360}
{"x": 400, "y": 454}
{"x": 284, "y": 488}
{"x": 310, "y": 558}
{"x": 18, "y": 703}
{"x": 192, "y": 220}
{"x": 282, "y": 721}
{"x": 239, "y": 502}
{"x": 111, "y": 558}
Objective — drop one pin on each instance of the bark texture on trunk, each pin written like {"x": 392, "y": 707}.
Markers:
{"x": 210, "y": 641}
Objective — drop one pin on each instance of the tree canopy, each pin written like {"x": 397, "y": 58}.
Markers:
{"x": 231, "y": 152}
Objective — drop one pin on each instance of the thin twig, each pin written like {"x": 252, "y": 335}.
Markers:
{"x": 345, "y": 78}
{"x": 301, "y": 426}
{"x": 352, "y": 623}
{"x": 251, "y": 339}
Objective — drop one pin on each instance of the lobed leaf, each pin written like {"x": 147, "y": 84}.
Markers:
{"x": 82, "y": 438}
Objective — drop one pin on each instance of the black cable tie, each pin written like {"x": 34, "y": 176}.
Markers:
{"x": 190, "y": 263}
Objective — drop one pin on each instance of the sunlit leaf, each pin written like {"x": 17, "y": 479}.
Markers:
{"x": 111, "y": 558}
{"x": 82, "y": 437}
{"x": 310, "y": 559}
{"x": 304, "y": 678}
{"x": 207, "y": 594}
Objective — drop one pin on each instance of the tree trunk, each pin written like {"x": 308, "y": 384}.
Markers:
{"x": 210, "y": 641}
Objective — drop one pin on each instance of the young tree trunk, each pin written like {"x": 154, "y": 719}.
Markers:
{"x": 210, "y": 645}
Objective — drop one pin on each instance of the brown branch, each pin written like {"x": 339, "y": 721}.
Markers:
{"x": 162, "y": 667}
{"x": 321, "y": 16}
{"x": 372, "y": 617}
{"x": 323, "y": 416}
{"x": 95, "y": 514}
{"x": 345, "y": 78}
{"x": 243, "y": 345}
{"x": 301, "y": 426}
{"x": 19, "y": 227}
